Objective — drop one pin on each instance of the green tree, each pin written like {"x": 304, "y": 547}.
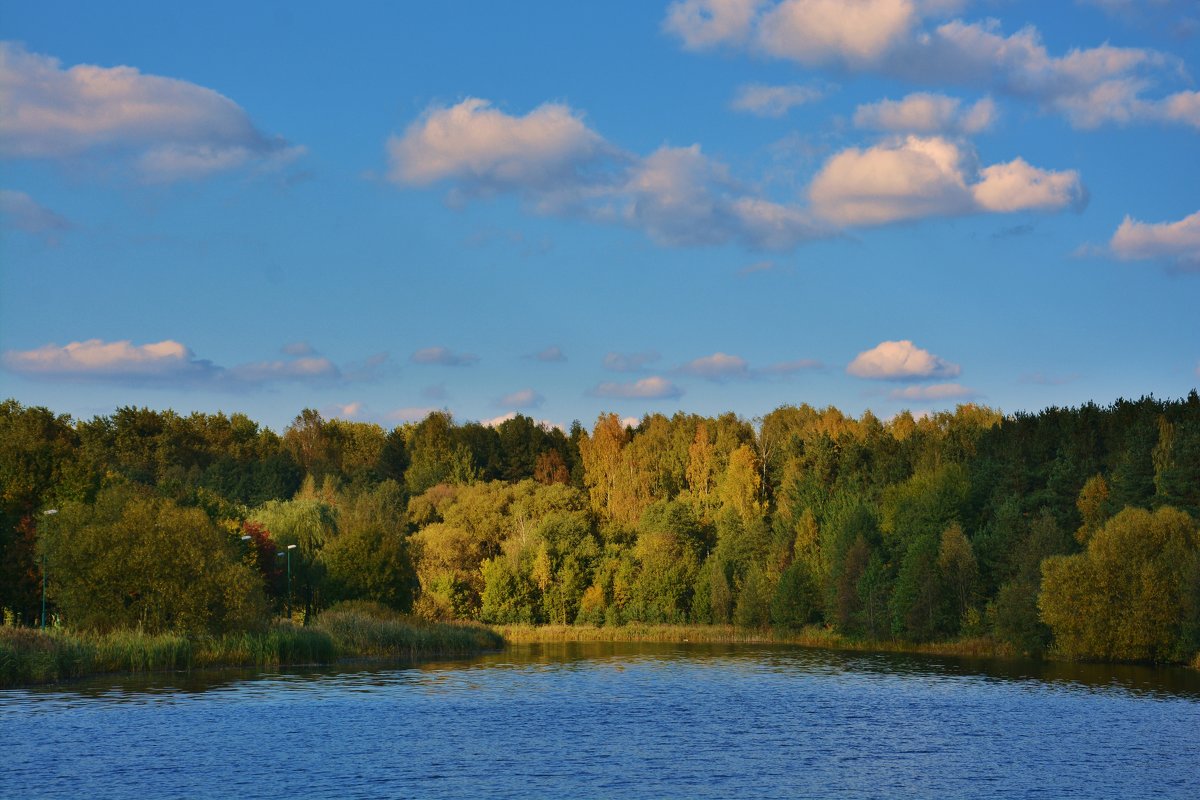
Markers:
{"x": 797, "y": 600}
{"x": 753, "y": 609}
{"x": 369, "y": 558}
{"x": 133, "y": 560}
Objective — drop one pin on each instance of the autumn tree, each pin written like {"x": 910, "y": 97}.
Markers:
{"x": 1127, "y": 597}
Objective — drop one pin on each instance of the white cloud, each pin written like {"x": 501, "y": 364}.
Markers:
{"x": 170, "y": 128}
{"x": 938, "y": 391}
{"x": 773, "y": 101}
{"x": 479, "y": 143}
{"x": 707, "y": 23}
{"x": 919, "y": 177}
{"x": 1182, "y": 107}
{"x": 653, "y": 387}
{"x": 670, "y": 197}
{"x": 163, "y": 363}
{"x": 718, "y": 367}
{"x": 557, "y": 165}
{"x": 922, "y": 112}
{"x": 822, "y": 31}
{"x": 900, "y": 360}
{"x": 21, "y": 212}
{"x": 678, "y": 196}
{"x": 522, "y": 398}
{"x": 629, "y": 362}
{"x": 908, "y": 179}
{"x": 893, "y": 38}
{"x": 443, "y": 357}
{"x": 1017, "y": 186}
{"x": 97, "y": 358}
{"x": 1173, "y": 242}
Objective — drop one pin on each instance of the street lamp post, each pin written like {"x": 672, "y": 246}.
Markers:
{"x": 49, "y": 513}
{"x": 290, "y": 548}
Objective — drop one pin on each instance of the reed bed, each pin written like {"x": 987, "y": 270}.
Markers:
{"x": 811, "y": 636}
{"x": 375, "y": 633}
{"x": 30, "y": 656}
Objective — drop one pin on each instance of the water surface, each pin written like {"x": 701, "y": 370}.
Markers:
{"x": 617, "y": 720}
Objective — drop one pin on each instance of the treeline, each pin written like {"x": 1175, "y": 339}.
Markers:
{"x": 1073, "y": 529}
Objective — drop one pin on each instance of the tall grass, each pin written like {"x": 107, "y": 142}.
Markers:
{"x": 30, "y": 656}
{"x": 369, "y": 630}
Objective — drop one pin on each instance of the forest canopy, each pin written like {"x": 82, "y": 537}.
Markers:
{"x": 1072, "y": 529}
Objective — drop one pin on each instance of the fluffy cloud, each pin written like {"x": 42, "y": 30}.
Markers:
{"x": 652, "y": 388}
{"x": 95, "y": 358}
{"x": 856, "y": 32}
{"x": 773, "y": 101}
{"x": 551, "y": 159}
{"x": 922, "y": 112}
{"x": 938, "y": 391}
{"x": 901, "y": 39}
{"x": 523, "y": 398}
{"x": 918, "y": 177}
{"x": 900, "y": 361}
{"x": 1017, "y": 186}
{"x": 718, "y": 367}
{"x": 1174, "y": 242}
{"x": 479, "y": 143}
{"x": 443, "y": 357}
{"x": 629, "y": 362}
{"x": 707, "y": 23}
{"x": 169, "y": 128}
{"x": 21, "y": 212}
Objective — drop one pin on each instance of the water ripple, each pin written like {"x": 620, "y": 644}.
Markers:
{"x": 616, "y": 720}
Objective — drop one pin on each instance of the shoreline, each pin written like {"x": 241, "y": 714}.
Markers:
{"x": 813, "y": 636}
{"x": 374, "y": 642}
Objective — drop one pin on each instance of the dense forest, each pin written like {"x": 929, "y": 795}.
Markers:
{"x": 1072, "y": 530}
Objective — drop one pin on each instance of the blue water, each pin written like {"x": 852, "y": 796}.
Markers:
{"x": 619, "y": 721}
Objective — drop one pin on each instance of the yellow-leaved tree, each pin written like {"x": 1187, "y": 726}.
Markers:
{"x": 1130, "y": 595}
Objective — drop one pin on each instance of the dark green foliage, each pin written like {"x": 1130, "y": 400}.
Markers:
{"x": 754, "y": 600}
{"x": 797, "y": 601}
{"x": 919, "y": 610}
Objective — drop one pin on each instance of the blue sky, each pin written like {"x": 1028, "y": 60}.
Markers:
{"x": 568, "y": 208}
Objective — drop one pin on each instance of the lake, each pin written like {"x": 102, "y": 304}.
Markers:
{"x": 617, "y": 720}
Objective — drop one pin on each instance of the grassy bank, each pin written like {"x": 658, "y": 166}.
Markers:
{"x": 29, "y": 656}
{"x": 812, "y": 636}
